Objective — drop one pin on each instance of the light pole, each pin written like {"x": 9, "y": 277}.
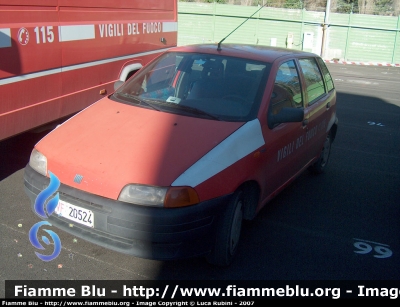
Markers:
{"x": 325, "y": 26}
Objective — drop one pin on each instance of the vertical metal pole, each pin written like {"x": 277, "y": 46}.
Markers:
{"x": 325, "y": 27}
{"x": 347, "y": 36}
{"x": 257, "y": 26}
{"x": 395, "y": 40}
{"x": 302, "y": 28}
{"x": 214, "y": 21}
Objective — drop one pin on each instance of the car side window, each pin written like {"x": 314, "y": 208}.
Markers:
{"x": 326, "y": 74}
{"x": 287, "y": 89}
{"x": 313, "y": 78}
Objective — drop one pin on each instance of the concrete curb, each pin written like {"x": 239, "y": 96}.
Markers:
{"x": 362, "y": 63}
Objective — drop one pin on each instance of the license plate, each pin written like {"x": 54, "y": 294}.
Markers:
{"x": 74, "y": 213}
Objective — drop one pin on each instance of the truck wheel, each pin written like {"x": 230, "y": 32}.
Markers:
{"x": 319, "y": 166}
{"x": 228, "y": 232}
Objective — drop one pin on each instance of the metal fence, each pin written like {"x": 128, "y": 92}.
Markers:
{"x": 348, "y": 37}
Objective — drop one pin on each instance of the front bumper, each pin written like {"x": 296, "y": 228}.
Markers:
{"x": 146, "y": 232}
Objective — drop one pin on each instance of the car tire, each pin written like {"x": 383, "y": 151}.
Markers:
{"x": 228, "y": 232}
{"x": 319, "y": 166}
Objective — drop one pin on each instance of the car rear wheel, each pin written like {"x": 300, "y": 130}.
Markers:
{"x": 228, "y": 232}
{"x": 319, "y": 166}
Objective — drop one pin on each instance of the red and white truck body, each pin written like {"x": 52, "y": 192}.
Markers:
{"x": 59, "y": 56}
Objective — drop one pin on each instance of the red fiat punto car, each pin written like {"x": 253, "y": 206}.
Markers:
{"x": 199, "y": 139}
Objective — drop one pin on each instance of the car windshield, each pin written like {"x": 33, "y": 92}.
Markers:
{"x": 199, "y": 85}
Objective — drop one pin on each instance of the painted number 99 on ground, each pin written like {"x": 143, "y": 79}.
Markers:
{"x": 379, "y": 250}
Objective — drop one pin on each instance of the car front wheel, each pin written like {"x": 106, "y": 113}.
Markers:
{"x": 228, "y": 232}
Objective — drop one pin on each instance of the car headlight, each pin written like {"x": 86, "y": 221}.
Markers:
{"x": 38, "y": 162}
{"x": 171, "y": 197}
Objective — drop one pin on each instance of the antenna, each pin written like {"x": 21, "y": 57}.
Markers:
{"x": 219, "y": 44}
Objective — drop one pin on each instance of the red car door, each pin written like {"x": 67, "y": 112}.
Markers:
{"x": 285, "y": 151}
{"x": 318, "y": 106}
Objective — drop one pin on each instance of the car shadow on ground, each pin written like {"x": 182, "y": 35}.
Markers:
{"x": 15, "y": 151}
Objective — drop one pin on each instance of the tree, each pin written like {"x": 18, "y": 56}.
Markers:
{"x": 293, "y": 4}
{"x": 366, "y": 6}
{"x": 396, "y": 7}
{"x": 345, "y": 6}
{"x": 315, "y": 5}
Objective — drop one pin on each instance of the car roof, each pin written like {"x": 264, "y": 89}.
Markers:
{"x": 254, "y": 52}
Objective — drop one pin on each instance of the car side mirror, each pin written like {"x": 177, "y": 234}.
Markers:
{"x": 285, "y": 115}
{"x": 117, "y": 84}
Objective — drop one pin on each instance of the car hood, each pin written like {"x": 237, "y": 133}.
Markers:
{"x": 112, "y": 144}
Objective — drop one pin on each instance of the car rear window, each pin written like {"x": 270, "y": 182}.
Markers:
{"x": 327, "y": 76}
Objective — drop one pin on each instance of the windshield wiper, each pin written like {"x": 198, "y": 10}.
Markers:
{"x": 140, "y": 101}
{"x": 197, "y": 111}
{"x": 179, "y": 106}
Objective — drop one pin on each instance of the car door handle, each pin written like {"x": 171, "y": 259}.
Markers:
{"x": 328, "y": 105}
{"x": 305, "y": 122}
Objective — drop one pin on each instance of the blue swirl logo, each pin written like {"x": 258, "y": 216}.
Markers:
{"x": 44, "y": 210}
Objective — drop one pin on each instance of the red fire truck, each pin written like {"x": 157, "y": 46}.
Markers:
{"x": 59, "y": 56}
